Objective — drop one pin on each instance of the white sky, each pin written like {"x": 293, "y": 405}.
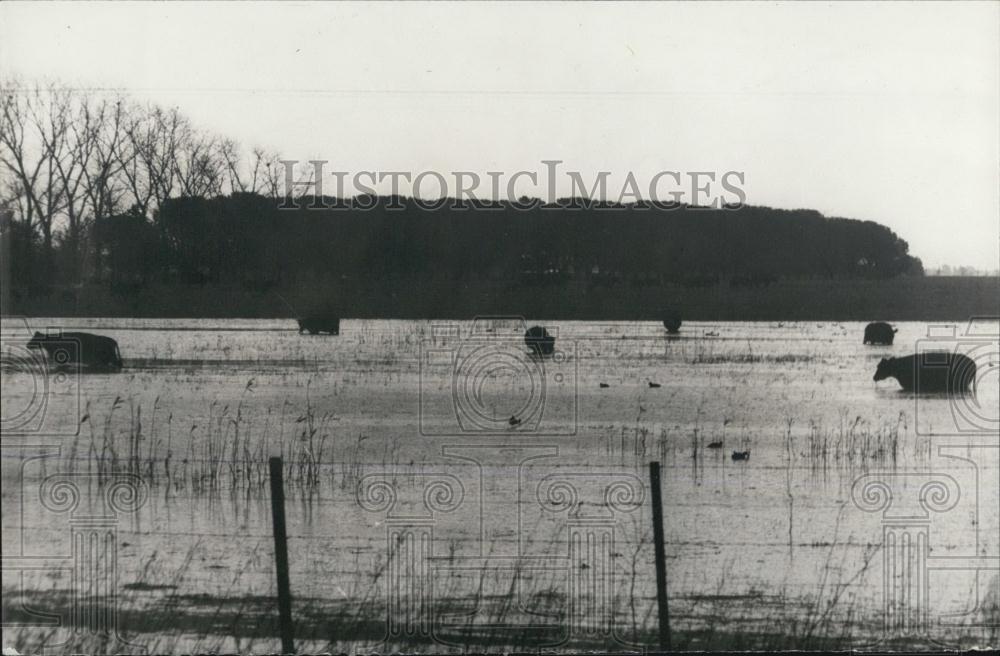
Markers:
{"x": 888, "y": 112}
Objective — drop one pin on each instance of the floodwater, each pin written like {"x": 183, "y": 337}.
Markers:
{"x": 420, "y": 518}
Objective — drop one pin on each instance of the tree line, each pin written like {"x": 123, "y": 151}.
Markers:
{"x": 70, "y": 159}
{"x": 247, "y": 239}
{"x": 104, "y": 190}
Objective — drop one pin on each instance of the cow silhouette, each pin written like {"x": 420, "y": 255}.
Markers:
{"x": 315, "y": 325}
{"x": 879, "y": 332}
{"x": 672, "y": 323}
{"x": 930, "y": 371}
{"x": 83, "y": 349}
{"x": 539, "y": 341}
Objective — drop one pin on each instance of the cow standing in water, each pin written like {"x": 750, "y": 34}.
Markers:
{"x": 879, "y": 332}
{"x": 672, "y": 323}
{"x": 84, "y": 349}
{"x": 931, "y": 371}
{"x": 539, "y": 341}
{"x": 319, "y": 324}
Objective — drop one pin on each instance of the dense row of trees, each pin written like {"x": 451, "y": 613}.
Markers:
{"x": 245, "y": 238}
{"x": 104, "y": 190}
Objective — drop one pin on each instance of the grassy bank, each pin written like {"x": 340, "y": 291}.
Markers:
{"x": 900, "y": 299}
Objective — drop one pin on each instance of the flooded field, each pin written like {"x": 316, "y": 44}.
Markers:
{"x": 445, "y": 491}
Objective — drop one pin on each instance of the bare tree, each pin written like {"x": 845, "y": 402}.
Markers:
{"x": 267, "y": 172}
{"x": 260, "y": 175}
{"x": 90, "y": 173}
{"x": 68, "y": 159}
{"x": 34, "y": 124}
{"x": 145, "y": 154}
{"x": 105, "y": 185}
{"x": 23, "y": 169}
{"x": 197, "y": 159}
{"x": 72, "y": 165}
{"x": 229, "y": 151}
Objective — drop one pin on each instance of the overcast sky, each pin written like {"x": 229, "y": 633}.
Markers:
{"x": 886, "y": 112}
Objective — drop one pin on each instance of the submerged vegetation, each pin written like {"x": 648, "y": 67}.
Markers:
{"x": 763, "y": 553}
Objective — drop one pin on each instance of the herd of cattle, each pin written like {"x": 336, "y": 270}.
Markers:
{"x": 932, "y": 371}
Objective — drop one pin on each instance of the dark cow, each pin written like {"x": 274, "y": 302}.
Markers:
{"x": 672, "y": 323}
{"x": 931, "y": 371}
{"x": 879, "y": 332}
{"x": 84, "y": 349}
{"x": 539, "y": 341}
{"x": 319, "y": 324}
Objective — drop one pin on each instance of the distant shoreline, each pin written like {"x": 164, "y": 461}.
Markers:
{"x": 899, "y": 299}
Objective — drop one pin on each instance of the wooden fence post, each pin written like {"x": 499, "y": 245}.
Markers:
{"x": 661, "y": 563}
{"x": 281, "y": 555}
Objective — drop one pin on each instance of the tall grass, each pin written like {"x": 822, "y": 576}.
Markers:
{"x": 229, "y": 449}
